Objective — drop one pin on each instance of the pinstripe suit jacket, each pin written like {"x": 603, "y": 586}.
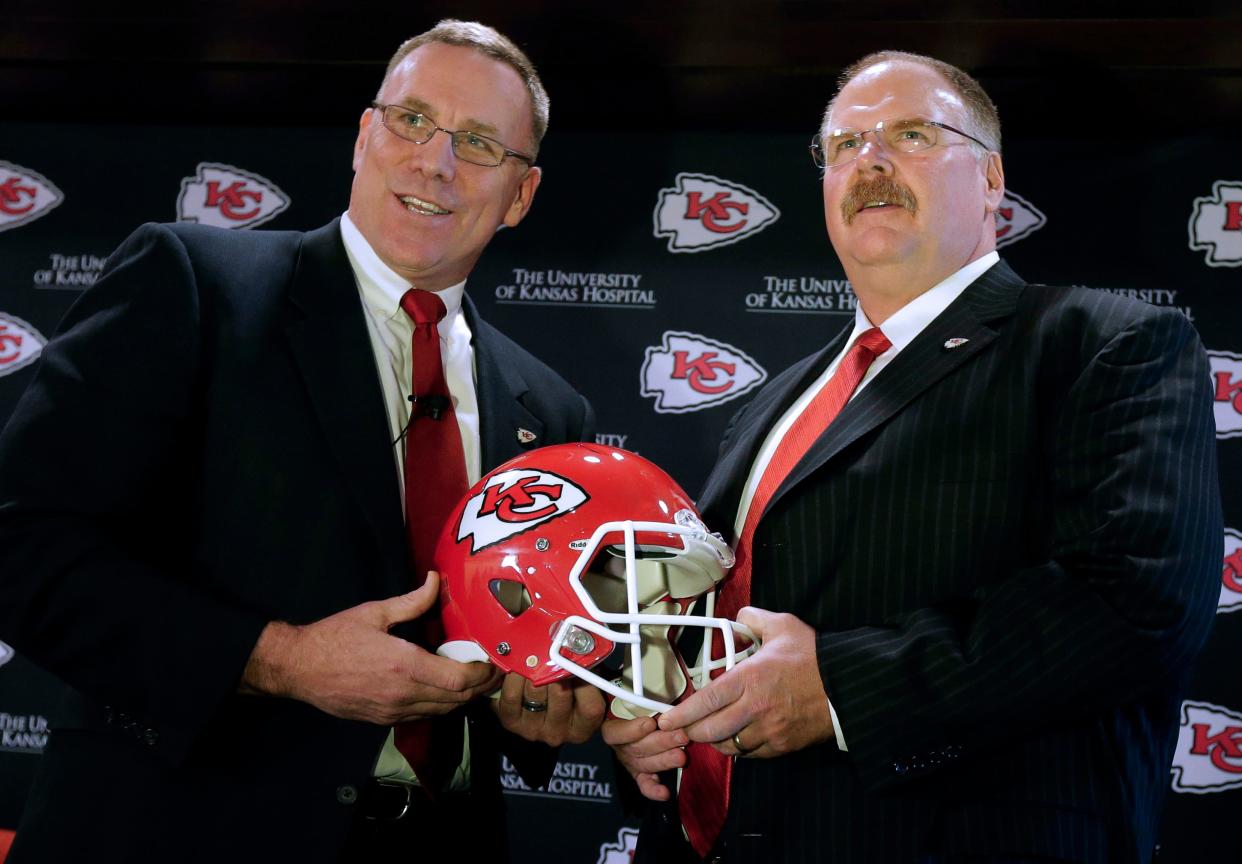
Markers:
{"x": 1008, "y": 552}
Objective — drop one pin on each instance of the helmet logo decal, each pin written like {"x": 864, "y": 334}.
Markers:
{"x": 516, "y": 501}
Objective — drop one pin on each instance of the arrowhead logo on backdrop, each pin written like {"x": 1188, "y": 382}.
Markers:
{"x": 20, "y": 344}
{"x": 228, "y": 197}
{"x": 25, "y": 196}
{"x": 1016, "y": 218}
{"x": 620, "y": 852}
{"x": 1216, "y": 225}
{"x": 1231, "y": 574}
{"x": 689, "y": 372}
{"x": 516, "y": 501}
{"x": 6, "y": 653}
{"x": 1208, "y": 757}
{"x": 1226, "y": 370}
{"x": 702, "y": 212}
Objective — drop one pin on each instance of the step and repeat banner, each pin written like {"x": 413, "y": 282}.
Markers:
{"x": 667, "y": 277}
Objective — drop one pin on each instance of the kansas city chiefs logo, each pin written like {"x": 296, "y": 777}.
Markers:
{"x": 1209, "y": 749}
{"x": 516, "y": 501}
{"x": 24, "y": 196}
{"x": 703, "y": 212}
{"x": 622, "y": 851}
{"x": 1231, "y": 574}
{"x": 689, "y": 372}
{"x": 6, "y": 653}
{"x": 1216, "y": 225}
{"x": 20, "y": 344}
{"x": 1226, "y": 392}
{"x": 229, "y": 197}
{"x": 1016, "y": 218}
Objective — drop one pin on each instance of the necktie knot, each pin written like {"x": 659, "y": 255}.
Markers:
{"x": 874, "y": 341}
{"x": 423, "y": 306}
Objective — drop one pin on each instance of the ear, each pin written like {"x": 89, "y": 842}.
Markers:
{"x": 364, "y": 128}
{"x": 994, "y": 175}
{"x": 523, "y": 197}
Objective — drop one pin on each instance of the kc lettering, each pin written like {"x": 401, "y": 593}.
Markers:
{"x": 1208, "y": 757}
{"x": 1231, "y": 574}
{"x": 714, "y": 212}
{"x": 702, "y": 212}
{"x": 229, "y": 197}
{"x": 702, "y": 369}
{"x": 1226, "y": 371}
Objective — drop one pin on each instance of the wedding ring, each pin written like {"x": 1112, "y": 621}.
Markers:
{"x": 741, "y": 751}
{"x": 533, "y": 706}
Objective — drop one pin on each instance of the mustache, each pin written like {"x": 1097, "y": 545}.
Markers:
{"x": 879, "y": 188}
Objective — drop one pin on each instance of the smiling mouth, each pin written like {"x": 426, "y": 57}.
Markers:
{"x": 871, "y": 204}
{"x": 425, "y": 208}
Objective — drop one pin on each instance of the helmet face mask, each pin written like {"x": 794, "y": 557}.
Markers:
{"x": 568, "y": 554}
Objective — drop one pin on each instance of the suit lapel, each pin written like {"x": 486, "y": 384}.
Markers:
{"x": 502, "y": 416}
{"x": 923, "y": 363}
{"x": 331, "y": 346}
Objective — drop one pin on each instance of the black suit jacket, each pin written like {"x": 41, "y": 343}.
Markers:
{"x": 1008, "y": 551}
{"x": 205, "y": 449}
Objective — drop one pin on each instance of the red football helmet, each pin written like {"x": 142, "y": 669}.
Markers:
{"x": 561, "y": 556}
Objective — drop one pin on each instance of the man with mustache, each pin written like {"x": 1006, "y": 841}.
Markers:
{"x": 977, "y": 535}
{"x": 221, "y": 487}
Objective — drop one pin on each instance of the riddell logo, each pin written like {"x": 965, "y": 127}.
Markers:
{"x": 516, "y": 501}
{"x": 20, "y": 344}
{"x": 703, "y": 212}
{"x": 1209, "y": 749}
{"x": 24, "y": 196}
{"x": 1016, "y": 218}
{"x": 689, "y": 372}
{"x": 229, "y": 197}
{"x": 1226, "y": 392}
{"x": 1231, "y": 574}
{"x": 620, "y": 852}
{"x": 1216, "y": 225}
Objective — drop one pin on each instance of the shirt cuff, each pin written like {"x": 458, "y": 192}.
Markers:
{"x": 836, "y": 728}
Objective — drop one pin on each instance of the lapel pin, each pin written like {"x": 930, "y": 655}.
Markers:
{"x": 955, "y": 342}
{"x": 526, "y": 436}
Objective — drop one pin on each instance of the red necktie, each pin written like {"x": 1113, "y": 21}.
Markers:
{"x": 435, "y": 480}
{"x": 703, "y": 798}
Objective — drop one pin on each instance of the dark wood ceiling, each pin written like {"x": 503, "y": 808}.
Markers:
{"x": 672, "y": 65}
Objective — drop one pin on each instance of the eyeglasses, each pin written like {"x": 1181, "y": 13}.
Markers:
{"x": 906, "y": 136}
{"x": 468, "y": 146}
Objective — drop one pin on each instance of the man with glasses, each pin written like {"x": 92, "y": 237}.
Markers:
{"x": 219, "y": 491}
{"x": 977, "y": 534}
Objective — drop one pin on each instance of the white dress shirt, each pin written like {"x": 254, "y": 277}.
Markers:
{"x": 391, "y": 331}
{"x": 900, "y": 329}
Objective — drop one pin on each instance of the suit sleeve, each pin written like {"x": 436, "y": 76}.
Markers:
{"x": 1120, "y": 607}
{"x": 94, "y": 468}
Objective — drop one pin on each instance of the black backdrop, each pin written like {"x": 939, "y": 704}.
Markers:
{"x": 618, "y": 269}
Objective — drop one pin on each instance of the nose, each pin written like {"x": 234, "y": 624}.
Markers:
{"x": 873, "y": 155}
{"x": 434, "y": 157}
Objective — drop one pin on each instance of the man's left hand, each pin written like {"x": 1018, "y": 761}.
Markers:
{"x": 571, "y": 712}
{"x": 774, "y": 701}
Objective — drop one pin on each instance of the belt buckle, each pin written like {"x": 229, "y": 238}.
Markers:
{"x": 405, "y": 806}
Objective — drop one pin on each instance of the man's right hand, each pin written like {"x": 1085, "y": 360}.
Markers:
{"x": 348, "y": 665}
{"x": 645, "y": 751}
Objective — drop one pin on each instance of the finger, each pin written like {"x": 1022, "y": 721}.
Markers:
{"x": 434, "y": 671}
{"x": 659, "y": 742}
{"x": 509, "y": 706}
{"x": 413, "y": 604}
{"x": 675, "y": 758}
{"x": 722, "y": 725}
{"x": 618, "y": 732}
{"x": 723, "y": 691}
{"x": 758, "y": 620}
{"x": 560, "y": 701}
{"x": 651, "y": 787}
{"x": 588, "y": 712}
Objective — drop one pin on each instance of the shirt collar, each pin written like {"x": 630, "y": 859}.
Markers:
{"x": 910, "y": 320}
{"x": 382, "y": 287}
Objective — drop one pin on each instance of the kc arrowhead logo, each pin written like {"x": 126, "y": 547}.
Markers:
{"x": 620, "y": 852}
{"x": 1016, "y": 218}
{"x": 1231, "y": 574}
{"x": 229, "y": 197}
{"x": 516, "y": 501}
{"x": 1216, "y": 225}
{"x": 689, "y": 372}
{"x": 1226, "y": 370}
{"x": 6, "y": 653}
{"x": 703, "y": 212}
{"x": 1209, "y": 749}
{"x": 20, "y": 344}
{"x": 25, "y": 196}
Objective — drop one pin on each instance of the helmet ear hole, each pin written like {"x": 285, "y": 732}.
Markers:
{"x": 511, "y": 595}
